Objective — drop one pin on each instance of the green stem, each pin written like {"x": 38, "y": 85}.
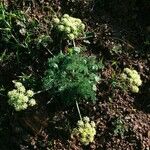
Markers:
{"x": 74, "y": 44}
{"x": 38, "y": 92}
{"x": 77, "y": 105}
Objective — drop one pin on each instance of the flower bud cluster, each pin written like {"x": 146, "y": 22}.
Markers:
{"x": 70, "y": 26}
{"x": 85, "y": 130}
{"x": 133, "y": 79}
{"x": 20, "y": 98}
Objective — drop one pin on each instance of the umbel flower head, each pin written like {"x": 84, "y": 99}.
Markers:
{"x": 132, "y": 78}
{"x": 85, "y": 131}
{"x": 20, "y": 98}
{"x": 70, "y": 27}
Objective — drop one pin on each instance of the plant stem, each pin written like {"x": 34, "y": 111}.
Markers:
{"x": 38, "y": 92}
{"x": 77, "y": 105}
{"x": 74, "y": 44}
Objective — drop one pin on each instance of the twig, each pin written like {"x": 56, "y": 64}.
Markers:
{"x": 123, "y": 42}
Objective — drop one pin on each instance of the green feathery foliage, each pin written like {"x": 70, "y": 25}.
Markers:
{"x": 72, "y": 77}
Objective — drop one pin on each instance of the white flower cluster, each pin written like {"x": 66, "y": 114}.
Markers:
{"x": 85, "y": 131}
{"x": 133, "y": 78}
{"x": 70, "y": 26}
{"x": 20, "y": 98}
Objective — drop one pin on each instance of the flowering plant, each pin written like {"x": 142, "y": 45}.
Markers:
{"x": 72, "y": 77}
{"x": 70, "y": 27}
{"x": 20, "y": 98}
{"x": 132, "y": 78}
{"x": 85, "y": 130}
